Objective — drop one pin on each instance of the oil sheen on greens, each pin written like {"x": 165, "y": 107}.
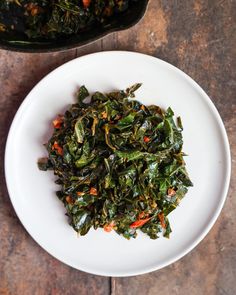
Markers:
{"x": 119, "y": 164}
{"x": 57, "y": 18}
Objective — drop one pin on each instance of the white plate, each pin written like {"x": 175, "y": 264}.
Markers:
{"x": 32, "y": 191}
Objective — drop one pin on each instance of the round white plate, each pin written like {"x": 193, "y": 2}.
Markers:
{"x": 32, "y": 192}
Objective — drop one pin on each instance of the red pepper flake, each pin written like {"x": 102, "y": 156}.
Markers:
{"x": 57, "y": 122}
{"x": 171, "y": 192}
{"x": 57, "y": 147}
{"x": 109, "y": 227}
{"x": 146, "y": 139}
{"x": 162, "y": 219}
{"x": 93, "y": 191}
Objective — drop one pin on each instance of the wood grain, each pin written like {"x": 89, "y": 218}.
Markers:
{"x": 198, "y": 37}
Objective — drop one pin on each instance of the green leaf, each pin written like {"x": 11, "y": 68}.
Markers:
{"x": 168, "y": 229}
{"x": 129, "y": 156}
{"x": 86, "y": 157}
{"x": 44, "y": 164}
{"x": 82, "y": 222}
{"x": 126, "y": 121}
{"x": 79, "y": 130}
{"x": 130, "y": 91}
{"x": 82, "y": 94}
{"x": 98, "y": 96}
{"x": 169, "y": 133}
{"x": 179, "y": 123}
{"x": 95, "y": 123}
{"x": 169, "y": 113}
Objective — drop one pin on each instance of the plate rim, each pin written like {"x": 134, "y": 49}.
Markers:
{"x": 223, "y": 133}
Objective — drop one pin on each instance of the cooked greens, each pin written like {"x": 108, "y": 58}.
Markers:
{"x": 119, "y": 164}
{"x": 58, "y": 18}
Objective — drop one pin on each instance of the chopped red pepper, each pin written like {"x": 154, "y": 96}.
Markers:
{"x": 171, "y": 192}
{"x": 57, "y": 147}
{"x": 109, "y": 227}
{"x": 162, "y": 219}
{"x": 93, "y": 191}
{"x": 32, "y": 8}
{"x": 34, "y": 11}
{"x": 86, "y": 3}
{"x": 146, "y": 139}
{"x": 80, "y": 194}
{"x": 139, "y": 222}
{"x": 69, "y": 200}
{"x": 57, "y": 122}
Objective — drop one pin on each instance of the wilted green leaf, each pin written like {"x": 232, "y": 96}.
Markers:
{"x": 122, "y": 165}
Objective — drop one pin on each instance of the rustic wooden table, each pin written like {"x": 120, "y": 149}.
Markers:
{"x": 199, "y": 38}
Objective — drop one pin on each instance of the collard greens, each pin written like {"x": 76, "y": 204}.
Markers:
{"x": 52, "y": 19}
{"x": 119, "y": 164}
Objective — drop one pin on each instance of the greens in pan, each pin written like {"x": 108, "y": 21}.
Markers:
{"x": 55, "y": 18}
{"x": 119, "y": 164}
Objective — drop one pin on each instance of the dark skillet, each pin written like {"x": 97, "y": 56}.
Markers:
{"x": 18, "y": 41}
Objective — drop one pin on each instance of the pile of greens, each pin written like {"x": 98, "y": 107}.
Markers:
{"x": 119, "y": 164}
{"x": 54, "y": 18}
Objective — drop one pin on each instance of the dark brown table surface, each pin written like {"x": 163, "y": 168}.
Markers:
{"x": 199, "y": 38}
